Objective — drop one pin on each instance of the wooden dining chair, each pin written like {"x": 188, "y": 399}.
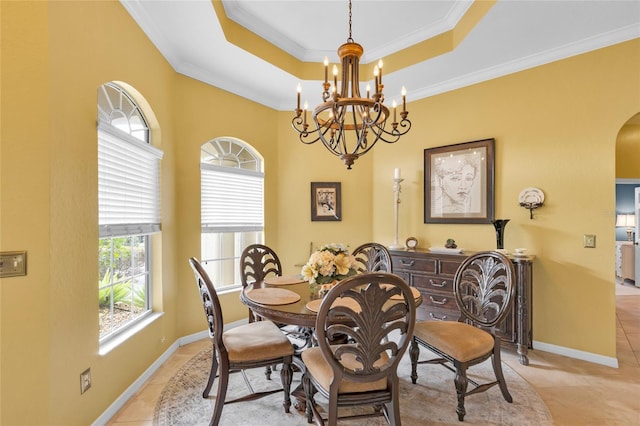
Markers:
{"x": 483, "y": 290}
{"x": 257, "y": 262}
{"x": 252, "y": 345}
{"x": 362, "y": 372}
{"x": 372, "y": 257}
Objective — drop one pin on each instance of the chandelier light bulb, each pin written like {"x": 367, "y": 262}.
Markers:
{"x": 403, "y": 92}
{"x": 326, "y": 68}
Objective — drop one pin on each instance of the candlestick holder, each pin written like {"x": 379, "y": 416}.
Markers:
{"x": 397, "y": 188}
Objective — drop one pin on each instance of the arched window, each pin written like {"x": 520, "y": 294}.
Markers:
{"x": 232, "y": 206}
{"x": 129, "y": 210}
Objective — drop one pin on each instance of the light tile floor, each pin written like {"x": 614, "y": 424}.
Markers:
{"x": 576, "y": 392}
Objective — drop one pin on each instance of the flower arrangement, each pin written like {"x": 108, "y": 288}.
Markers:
{"x": 330, "y": 263}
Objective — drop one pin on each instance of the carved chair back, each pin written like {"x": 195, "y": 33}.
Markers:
{"x": 370, "y": 326}
{"x": 257, "y": 262}
{"x": 483, "y": 289}
{"x": 373, "y": 257}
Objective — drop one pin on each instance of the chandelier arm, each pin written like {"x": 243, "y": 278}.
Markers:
{"x": 394, "y": 133}
{"x": 333, "y": 144}
{"x": 305, "y": 135}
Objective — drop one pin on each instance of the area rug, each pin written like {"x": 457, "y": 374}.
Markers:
{"x": 431, "y": 401}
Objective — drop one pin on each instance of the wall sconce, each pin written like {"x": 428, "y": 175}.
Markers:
{"x": 531, "y": 199}
{"x": 627, "y": 220}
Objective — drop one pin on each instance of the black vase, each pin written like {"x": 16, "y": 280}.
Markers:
{"x": 500, "y": 224}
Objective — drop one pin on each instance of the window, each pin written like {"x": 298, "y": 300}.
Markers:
{"x": 129, "y": 210}
{"x": 232, "y": 206}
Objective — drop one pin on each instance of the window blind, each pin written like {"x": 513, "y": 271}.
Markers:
{"x": 232, "y": 199}
{"x": 128, "y": 184}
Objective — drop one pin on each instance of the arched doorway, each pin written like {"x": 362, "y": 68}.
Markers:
{"x": 628, "y": 292}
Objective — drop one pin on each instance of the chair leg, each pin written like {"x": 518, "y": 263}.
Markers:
{"x": 286, "y": 375}
{"x": 267, "y": 372}
{"x": 497, "y": 369}
{"x": 223, "y": 383}
{"x": 393, "y": 408}
{"x": 212, "y": 374}
{"x": 308, "y": 391}
{"x": 461, "y": 383}
{"x": 414, "y": 353}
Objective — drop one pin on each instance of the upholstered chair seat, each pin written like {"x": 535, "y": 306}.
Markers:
{"x": 461, "y": 341}
{"x": 317, "y": 366}
{"x": 251, "y": 342}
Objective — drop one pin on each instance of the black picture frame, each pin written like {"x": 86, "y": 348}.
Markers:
{"x": 326, "y": 201}
{"x": 459, "y": 183}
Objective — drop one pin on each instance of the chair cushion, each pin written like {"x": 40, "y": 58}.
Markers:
{"x": 256, "y": 341}
{"x": 461, "y": 341}
{"x": 318, "y": 367}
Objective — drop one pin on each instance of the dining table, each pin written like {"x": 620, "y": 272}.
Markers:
{"x": 291, "y": 301}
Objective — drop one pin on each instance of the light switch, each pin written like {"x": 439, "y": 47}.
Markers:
{"x": 13, "y": 263}
{"x": 589, "y": 240}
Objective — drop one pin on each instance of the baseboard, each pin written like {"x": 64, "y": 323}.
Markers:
{"x": 574, "y": 353}
{"x": 140, "y": 381}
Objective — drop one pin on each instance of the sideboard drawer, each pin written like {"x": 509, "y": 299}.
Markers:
{"x": 431, "y": 283}
{"x": 439, "y": 301}
{"x": 432, "y": 314}
{"x": 410, "y": 263}
{"x": 449, "y": 267}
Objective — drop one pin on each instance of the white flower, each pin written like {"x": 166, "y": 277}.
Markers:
{"x": 330, "y": 263}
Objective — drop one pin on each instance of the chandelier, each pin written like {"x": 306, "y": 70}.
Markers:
{"x": 348, "y": 124}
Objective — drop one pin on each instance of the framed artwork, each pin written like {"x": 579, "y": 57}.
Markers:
{"x": 326, "y": 203}
{"x": 459, "y": 183}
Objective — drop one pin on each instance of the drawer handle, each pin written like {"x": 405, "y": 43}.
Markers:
{"x": 437, "y": 284}
{"x": 442, "y": 302}
{"x": 437, "y": 318}
{"x": 407, "y": 263}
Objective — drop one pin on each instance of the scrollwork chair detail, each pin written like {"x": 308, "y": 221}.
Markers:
{"x": 373, "y": 257}
{"x": 483, "y": 289}
{"x": 364, "y": 371}
{"x": 257, "y": 262}
{"x": 257, "y": 344}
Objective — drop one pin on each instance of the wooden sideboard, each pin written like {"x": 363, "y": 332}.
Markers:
{"x": 432, "y": 274}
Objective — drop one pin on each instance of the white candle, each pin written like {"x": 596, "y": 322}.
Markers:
{"x": 396, "y": 173}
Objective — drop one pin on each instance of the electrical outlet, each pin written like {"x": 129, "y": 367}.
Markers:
{"x": 85, "y": 380}
{"x": 589, "y": 241}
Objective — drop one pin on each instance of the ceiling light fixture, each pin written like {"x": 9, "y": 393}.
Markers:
{"x": 347, "y": 124}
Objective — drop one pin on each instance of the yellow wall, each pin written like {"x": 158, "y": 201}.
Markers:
{"x": 555, "y": 128}
{"x": 24, "y": 211}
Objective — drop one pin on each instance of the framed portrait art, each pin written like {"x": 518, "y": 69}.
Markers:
{"x": 459, "y": 183}
{"x": 326, "y": 204}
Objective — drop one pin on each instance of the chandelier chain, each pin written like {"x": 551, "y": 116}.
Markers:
{"x": 350, "y": 39}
